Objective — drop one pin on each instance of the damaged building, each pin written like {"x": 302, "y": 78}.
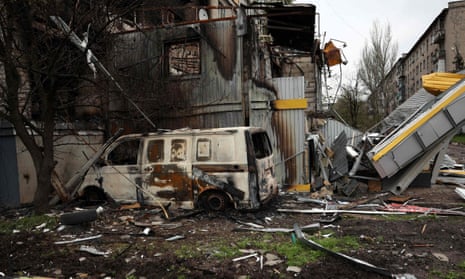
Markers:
{"x": 220, "y": 64}
{"x": 206, "y": 64}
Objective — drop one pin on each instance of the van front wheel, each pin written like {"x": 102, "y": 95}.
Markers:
{"x": 215, "y": 201}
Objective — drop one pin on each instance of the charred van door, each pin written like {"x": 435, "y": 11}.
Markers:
{"x": 122, "y": 170}
{"x": 264, "y": 165}
{"x": 167, "y": 169}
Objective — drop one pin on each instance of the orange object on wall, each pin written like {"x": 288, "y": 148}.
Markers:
{"x": 332, "y": 54}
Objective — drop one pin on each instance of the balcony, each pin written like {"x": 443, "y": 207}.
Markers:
{"x": 438, "y": 36}
{"x": 440, "y": 54}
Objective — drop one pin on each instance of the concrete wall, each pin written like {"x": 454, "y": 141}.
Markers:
{"x": 69, "y": 155}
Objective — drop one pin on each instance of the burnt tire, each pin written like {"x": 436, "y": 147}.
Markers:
{"x": 215, "y": 201}
{"x": 75, "y": 218}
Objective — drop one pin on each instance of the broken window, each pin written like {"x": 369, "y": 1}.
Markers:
{"x": 178, "y": 150}
{"x": 183, "y": 58}
{"x": 261, "y": 145}
{"x": 203, "y": 150}
{"x": 155, "y": 151}
{"x": 125, "y": 153}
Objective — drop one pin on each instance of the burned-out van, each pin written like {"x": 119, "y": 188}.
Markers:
{"x": 190, "y": 168}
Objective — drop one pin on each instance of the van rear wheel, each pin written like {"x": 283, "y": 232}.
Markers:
{"x": 215, "y": 201}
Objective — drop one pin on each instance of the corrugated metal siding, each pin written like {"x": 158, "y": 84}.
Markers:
{"x": 289, "y": 133}
{"x": 333, "y": 128}
{"x": 211, "y": 99}
{"x": 9, "y": 190}
{"x": 406, "y": 109}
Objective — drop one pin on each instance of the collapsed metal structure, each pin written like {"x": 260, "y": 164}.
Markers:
{"x": 398, "y": 153}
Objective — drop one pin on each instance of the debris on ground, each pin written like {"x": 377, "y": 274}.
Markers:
{"x": 140, "y": 241}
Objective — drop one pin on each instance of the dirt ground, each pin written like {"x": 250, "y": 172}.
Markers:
{"x": 426, "y": 247}
{"x": 135, "y": 243}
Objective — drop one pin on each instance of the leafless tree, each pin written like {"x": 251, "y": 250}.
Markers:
{"x": 350, "y": 102}
{"x": 378, "y": 56}
{"x": 42, "y": 70}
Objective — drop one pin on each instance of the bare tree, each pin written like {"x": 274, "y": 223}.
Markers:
{"x": 378, "y": 56}
{"x": 42, "y": 70}
{"x": 350, "y": 102}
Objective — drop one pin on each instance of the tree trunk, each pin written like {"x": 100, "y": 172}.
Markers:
{"x": 43, "y": 191}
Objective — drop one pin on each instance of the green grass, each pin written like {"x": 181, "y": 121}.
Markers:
{"x": 460, "y": 138}
{"x": 462, "y": 265}
{"x": 280, "y": 244}
{"x": 27, "y": 223}
{"x": 456, "y": 274}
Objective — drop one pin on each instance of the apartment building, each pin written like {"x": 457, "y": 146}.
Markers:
{"x": 440, "y": 48}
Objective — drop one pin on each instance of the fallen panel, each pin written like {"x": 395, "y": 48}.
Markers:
{"x": 460, "y": 192}
{"x": 358, "y": 262}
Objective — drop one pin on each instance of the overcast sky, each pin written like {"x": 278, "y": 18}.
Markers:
{"x": 351, "y": 21}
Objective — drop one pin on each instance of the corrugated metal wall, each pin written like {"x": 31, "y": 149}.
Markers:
{"x": 288, "y": 133}
{"x": 333, "y": 128}
{"x": 211, "y": 99}
{"x": 9, "y": 190}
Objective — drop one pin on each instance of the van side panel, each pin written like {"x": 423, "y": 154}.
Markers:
{"x": 167, "y": 170}
{"x": 219, "y": 163}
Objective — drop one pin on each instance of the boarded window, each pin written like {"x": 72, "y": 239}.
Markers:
{"x": 183, "y": 58}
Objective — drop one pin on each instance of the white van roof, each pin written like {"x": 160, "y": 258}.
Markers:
{"x": 189, "y": 131}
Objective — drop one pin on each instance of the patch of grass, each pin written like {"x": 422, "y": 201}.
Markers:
{"x": 225, "y": 251}
{"x": 460, "y": 138}
{"x": 27, "y": 223}
{"x": 294, "y": 252}
{"x": 188, "y": 251}
{"x": 447, "y": 275}
{"x": 459, "y": 274}
{"x": 462, "y": 265}
{"x": 281, "y": 244}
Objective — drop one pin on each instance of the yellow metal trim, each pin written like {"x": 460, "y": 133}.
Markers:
{"x": 418, "y": 124}
{"x": 436, "y": 83}
{"x": 290, "y": 104}
{"x": 299, "y": 188}
{"x": 452, "y": 171}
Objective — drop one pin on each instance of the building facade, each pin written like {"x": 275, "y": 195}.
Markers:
{"x": 439, "y": 49}
{"x": 205, "y": 64}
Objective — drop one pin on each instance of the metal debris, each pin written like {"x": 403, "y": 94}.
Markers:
{"x": 78, "y": 239}
{"x": 245, "y": 257}
{"x": 92, "y": 250}
{"x": 356, "y": 261}
{"x": 441, "y": 257}
{"x": 320, "y": 211}
{"x": 176, "y": 237}
{"x": 395, "y": 207}
{"x": 317, "y": 201}
{"x": 285, "y": 230}
{"x": 294, "y": 269}
{"x": 253, "y": 225}
{"x": 460, "y": 192}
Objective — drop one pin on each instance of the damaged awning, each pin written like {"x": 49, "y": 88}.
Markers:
{"x": 436, "y": 83}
